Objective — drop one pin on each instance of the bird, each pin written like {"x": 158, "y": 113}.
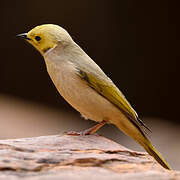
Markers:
{"x": 84, "y": 85}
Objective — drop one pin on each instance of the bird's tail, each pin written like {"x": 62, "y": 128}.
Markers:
{"x": 153, "y": 152}
{"x": 138, "y": 135}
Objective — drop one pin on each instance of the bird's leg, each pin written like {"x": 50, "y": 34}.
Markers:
{"x": 93, "y": 129}
{"x": 89, "y": 131}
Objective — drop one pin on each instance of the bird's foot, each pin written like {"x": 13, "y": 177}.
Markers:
{"x": 74, "y": 133}
{"x": 86, "y": 132}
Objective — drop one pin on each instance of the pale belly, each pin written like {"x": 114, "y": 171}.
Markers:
{"x": 82, "y": 97}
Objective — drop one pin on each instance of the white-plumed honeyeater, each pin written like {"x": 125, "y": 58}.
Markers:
{"x": 85, "y": 86}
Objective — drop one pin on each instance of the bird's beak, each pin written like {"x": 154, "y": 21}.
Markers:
{"x": 23, "y": 36}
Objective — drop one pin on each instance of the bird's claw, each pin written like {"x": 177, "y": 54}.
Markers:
{"x": 74, "y": 133}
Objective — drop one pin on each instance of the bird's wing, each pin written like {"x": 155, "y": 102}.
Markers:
{"x": 109, "y": 91}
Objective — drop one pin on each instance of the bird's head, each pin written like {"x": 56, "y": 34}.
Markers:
{"x": 46, "y": 37}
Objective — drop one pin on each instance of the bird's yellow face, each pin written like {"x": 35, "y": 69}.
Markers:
{"x": 46, "y": 37}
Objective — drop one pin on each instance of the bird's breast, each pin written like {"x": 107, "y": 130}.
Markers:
{"x": 77, "y": 92}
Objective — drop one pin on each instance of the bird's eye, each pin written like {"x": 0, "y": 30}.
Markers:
{"x": 37, "y": 38}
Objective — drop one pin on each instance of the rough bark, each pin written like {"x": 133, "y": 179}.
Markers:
{"x": 76, "y": 157}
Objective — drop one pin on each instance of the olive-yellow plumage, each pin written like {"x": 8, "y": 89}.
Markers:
{"x": 85, "y": 86}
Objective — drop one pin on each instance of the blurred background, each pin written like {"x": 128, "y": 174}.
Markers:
{"x": 136, "y": 42}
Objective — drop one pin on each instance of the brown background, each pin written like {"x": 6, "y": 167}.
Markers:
{"x": 135, "y": 42}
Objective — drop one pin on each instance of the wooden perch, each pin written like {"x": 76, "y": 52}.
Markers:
{"x": 66, "y": 157}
